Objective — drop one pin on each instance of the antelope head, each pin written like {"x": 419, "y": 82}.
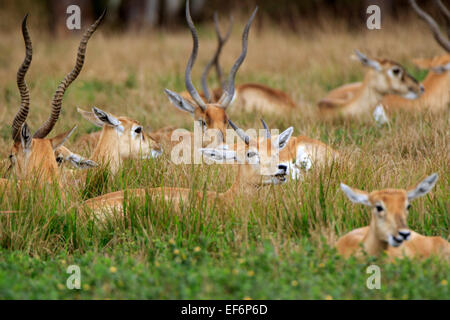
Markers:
{"x": 34, "y": 155}
{"x": 210, "y": 115}
{"x": 121, "y": 136}
{"x": 258, "y": 158}
{"x": 390, "y": 208}
{"x": 389, "y": 77}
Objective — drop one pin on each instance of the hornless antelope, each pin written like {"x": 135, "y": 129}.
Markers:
{"x": 255, "y": 168}
{"x": 437, "y": 82}
{"x": 209, "y": 115}
{"x": 120, "y": 138}
{"x": 359, "y": 99}
{"x": 388, "y": 230}
{"x": 249, "y": 96}
{"x": 34, "y": 156}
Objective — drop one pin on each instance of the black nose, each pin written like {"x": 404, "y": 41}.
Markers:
{"x": 405, "y": 234}
{"x": 282, "y": 167}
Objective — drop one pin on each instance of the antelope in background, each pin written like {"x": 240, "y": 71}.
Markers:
{"x": 437, "y": 82}
{"x": 34, "y": 156}
{"x": 359, "y": 99}
{"x": 388, "y": 230}
{"x": 248, "y": 96}
{"x": 255, "y": 169}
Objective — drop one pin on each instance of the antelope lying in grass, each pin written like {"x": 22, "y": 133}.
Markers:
{"x": 255, "y": 168}
{"x": 248, "y": 96}
{"x": 120, "y": 138}
{"x": 388, "y": 230}
{"x": 359, "y": 99}
{"x": 209, "y": 115}
{"x": 437, "y": 82}
{"x": 34, "y": 156}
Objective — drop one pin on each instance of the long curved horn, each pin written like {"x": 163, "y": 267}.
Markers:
{"x": 437, "y": 34}
{"x": 48, "y": 125}
{"x": 268, "y": 135}
{"x": 215, "y": 60}
{"x": 228, "y": 94}
{"x": 22, "y": 114}
{"x": 187, "y": 74}
{"x": 240, "y": 132}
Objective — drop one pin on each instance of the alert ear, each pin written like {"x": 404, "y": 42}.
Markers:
{"x": 90, "y": 116}
{"x": 179, "y": 102}
{"x": 423, "y": 187}
{"x": 284, "y": 137}
{"x": 59, "y": 140}
{"x": 367, "y": 61}
{"x": 355, "y": 195}
{"x": 105, "y": 117}
{"x": 25, "y": 137}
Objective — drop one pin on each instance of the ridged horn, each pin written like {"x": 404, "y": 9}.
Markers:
{"x": 240, "y": 132}
{"x": 22, "y": 114}
{"x": 228, "y": 94}
{"x": 215, "y": 60}
{"x": 268, "y": 135}
{"x": 48, "y": 125}
{"x": 187, "y": 74}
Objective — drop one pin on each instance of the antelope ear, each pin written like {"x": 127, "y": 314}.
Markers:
{"x": 25, "y": 137}
{"x": 105, "y": 117}
{"x": 367, "y": 61}
{"x": 355, "y": 195}
{"x": 179, "y": 102}
{"x": 218, "y": 154}
{"x": 90, "y": 116}
{"x": 81, "y": 163}
{"x": 59, "y": 140}
{"x": 284, "y": 137}
{"x": 423, "y": 187}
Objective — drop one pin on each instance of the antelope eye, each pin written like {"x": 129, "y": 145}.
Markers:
{"x": 408, "y": 207}
{"x": 396, "y": 71}
{"x": 251, "y": 154}
{"x": 379, "y": 208}
{"x": 138, "y": 130}
{"x": 59, "y": 159}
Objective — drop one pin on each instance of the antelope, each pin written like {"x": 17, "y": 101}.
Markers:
{"x": 359, "y": 99}
{"x": 255, "y": 169}
{"x": 249, "y": 96}
{"x": 209, "y": 115}
{"x": 34, "y": 155}
{"x": 120, "y": 138}
{"x": 388, "y": 230}
{"x": 437, "y": 82}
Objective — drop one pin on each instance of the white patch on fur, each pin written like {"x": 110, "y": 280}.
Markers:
{"x": 411, "y": 95}
{"x": 380, "y": 115}
{"x": 303, "y": 160}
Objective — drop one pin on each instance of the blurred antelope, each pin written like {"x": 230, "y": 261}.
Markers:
{"x": 34, "y": 156}
{"x": 388, "y": 230}
{"x": 210, "y": 115}
{"x": 248, "y": 96}
{"x": 255, "y": 169}
{"x": 120, "y": 138}
{"x": 359, "y": 99}
{"x": 437, "y": 82}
